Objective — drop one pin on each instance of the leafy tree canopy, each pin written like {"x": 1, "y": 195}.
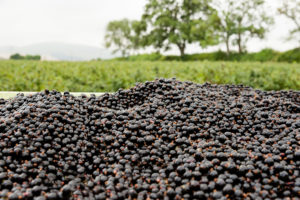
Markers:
{"x": 241, "y": 20}
{"x": 291, "y": 9}
{"x": 179, "y": 23}
{"x": 123, "y": 35}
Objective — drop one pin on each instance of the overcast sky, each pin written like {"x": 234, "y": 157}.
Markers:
{"x": 25, "y": 22}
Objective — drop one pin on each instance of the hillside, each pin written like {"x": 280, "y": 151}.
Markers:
{"x": 58, "y": 51}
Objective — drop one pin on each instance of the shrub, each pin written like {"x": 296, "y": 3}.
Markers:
{"x": 290, "y": 56}
{"x": 32, "y": 57}
{"x": 27, "y": 57}
{"x": 262, "y": 56}
{"x": 141, "y": 57}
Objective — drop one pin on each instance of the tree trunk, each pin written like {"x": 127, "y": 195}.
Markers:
{"x": 239, "y": 41}
{"x": 227, "y": 46}
{"x": 181, "y": 49}
{"x": 123, "y": 54}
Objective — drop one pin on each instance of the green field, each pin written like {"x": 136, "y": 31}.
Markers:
{"x": 108, "y": 76}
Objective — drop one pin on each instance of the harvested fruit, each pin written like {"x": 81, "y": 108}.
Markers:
{"x": 164, "y": 139}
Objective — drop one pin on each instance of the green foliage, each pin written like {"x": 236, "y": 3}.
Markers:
{"x": 108, "y": 76}
{"x": 32, "y": 57}
{"x": 179, "y": 23}
{"x": 290, "y": 56}
{"x": 27, "y": 57}
{"x": 142, "y": 57}
{"x": 291, "y": 10}
{"x": 241, "y": 20}
{"x": 265, "y": 55}
{"x": 123, "y": 35}
{"x": 262, "y": 56}
{"x": 215, "y": 56}
{"x": 16, "y": 57}
{"x": 168, "y": 23}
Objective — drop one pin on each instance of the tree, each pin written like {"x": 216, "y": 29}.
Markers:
{"x": 124, "y": 35}
{"x": 291, "y": 10}
{"x": 241, "y": 20}
{"x": 16, "y": 57}
{"x": 27, "y": 57}
{"x": 179, "y": 22}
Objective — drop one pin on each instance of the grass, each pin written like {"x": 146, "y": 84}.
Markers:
{"x": 109, "y": 76}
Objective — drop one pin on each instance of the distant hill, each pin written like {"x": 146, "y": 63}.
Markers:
{"x": 59, "y": 51}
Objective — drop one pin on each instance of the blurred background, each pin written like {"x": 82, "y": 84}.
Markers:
{"x": 101, "y": 46}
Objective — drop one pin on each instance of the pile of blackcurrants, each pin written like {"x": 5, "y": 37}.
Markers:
{"x": 164, "y": 139}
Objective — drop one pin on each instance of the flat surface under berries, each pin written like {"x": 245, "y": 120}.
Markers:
{"x": 11, "y": 94}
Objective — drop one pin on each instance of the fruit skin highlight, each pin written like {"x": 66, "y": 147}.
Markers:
{"x": 163, "y": 139}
